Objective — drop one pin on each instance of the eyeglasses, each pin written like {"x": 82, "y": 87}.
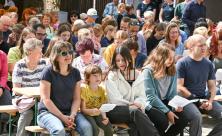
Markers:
{"x": 66, "y": 53}
{"x": 134, "y": 23}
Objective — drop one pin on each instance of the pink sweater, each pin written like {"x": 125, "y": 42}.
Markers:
{"x": 3, "y": 70}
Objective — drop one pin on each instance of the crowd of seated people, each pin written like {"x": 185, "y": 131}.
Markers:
{"x": 138, "y": 60}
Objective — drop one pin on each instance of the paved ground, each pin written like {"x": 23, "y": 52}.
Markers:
{"x": 208, "y": 124}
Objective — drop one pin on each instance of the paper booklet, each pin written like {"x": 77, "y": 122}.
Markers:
{"x": 107, "y": 107}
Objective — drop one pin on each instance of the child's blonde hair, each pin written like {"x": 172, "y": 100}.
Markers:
{"x": 91, "y": 69}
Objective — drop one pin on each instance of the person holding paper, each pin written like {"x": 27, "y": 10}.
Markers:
{"x": 125, "y": 88}
{"x": 92, "y": 98}
{"x": 195, "y": 73}
{"x": 160, "y": 87}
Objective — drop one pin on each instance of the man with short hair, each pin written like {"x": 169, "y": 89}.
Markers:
{"x": 111, "y": 9}
{"x": 5, "y": 23}
{"x": 195, "y": 73}
{"x": 134, "y": 27}
{"x": 40, "y": 34}
{"x": 124, "y": 24}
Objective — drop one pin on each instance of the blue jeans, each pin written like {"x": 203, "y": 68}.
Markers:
{"x": 56, "y": 128}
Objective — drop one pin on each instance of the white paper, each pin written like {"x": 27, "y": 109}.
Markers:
{"x": 107, "y": 107}
{"x": 200, "y": 100}
{"x": 178, "y": 101}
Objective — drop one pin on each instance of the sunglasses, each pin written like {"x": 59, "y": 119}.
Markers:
{"x": 66, "y": 53}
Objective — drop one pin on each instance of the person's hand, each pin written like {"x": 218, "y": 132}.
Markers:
{"x": 11, "y": 38}
{"x": 105, "y": 121}
{"x": 179, "y": 109}
{"x": 206, "y": 105}
{"x": 72, "y": 118}
{"x": 1, "y": 92}
{"x": 132, "y": 106}
{"x": 68, "y": 121}
{"x": 95, "y": 112}
{"x": 171, "y": 117}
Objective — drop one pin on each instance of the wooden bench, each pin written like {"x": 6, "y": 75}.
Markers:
{"x": 11, "y": 110}
{"x": 38, "y": 129}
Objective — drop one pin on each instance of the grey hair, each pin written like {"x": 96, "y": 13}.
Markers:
{"x": 31, "y": 44}
{"x": 34, "y": 20}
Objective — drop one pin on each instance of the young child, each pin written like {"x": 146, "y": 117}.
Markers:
{"x": 92, "y": 97}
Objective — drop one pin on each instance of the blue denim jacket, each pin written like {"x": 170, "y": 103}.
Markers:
{"x": 153, "y": 93}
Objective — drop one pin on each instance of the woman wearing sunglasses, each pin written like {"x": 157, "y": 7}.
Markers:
{"x": 60, "y": 94}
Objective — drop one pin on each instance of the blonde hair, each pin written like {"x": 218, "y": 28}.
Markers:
{"x": 120, "y": 34}
{"x": 201, "y": 30}
{"x": 121, "y": 5}
{"x": 157, "y": 60}
{"x": 83, "y": 33}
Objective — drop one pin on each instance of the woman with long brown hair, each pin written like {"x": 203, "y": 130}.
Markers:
{"x": 160, "y": 87}
{"x": 172, "y": 37}
{"x": 125, "y": 88}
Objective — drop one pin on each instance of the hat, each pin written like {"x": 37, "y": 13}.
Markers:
{"x": 92, "y": 12}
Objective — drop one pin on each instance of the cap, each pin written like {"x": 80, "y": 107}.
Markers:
{"x": 92, "y": 12}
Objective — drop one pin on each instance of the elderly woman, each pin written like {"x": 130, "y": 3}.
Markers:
{"x": 27, "y": 73}
{"x": 16, "y": 53}
{"x": 85, "y": 50}
{"x": 60, "y": 94}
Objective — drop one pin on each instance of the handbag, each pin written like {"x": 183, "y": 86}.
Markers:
{"x": 23, "y": 103}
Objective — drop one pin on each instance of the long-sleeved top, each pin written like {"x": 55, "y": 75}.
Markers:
{"x": 110, "y": 9}
{"x": 142, "y": 43}
{"x": 3, "y": 70}
{"x": 108, "y": 53}
{"x": 152, "y": 90}
{"x": 192, "y": 13}
{"x": 96, "y": 60}
{"x": 120, "y": 92}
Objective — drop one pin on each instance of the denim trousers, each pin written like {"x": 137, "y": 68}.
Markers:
{"x": 56, "y": 128}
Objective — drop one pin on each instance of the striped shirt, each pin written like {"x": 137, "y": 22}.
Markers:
{"x": 26, "y": 77}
